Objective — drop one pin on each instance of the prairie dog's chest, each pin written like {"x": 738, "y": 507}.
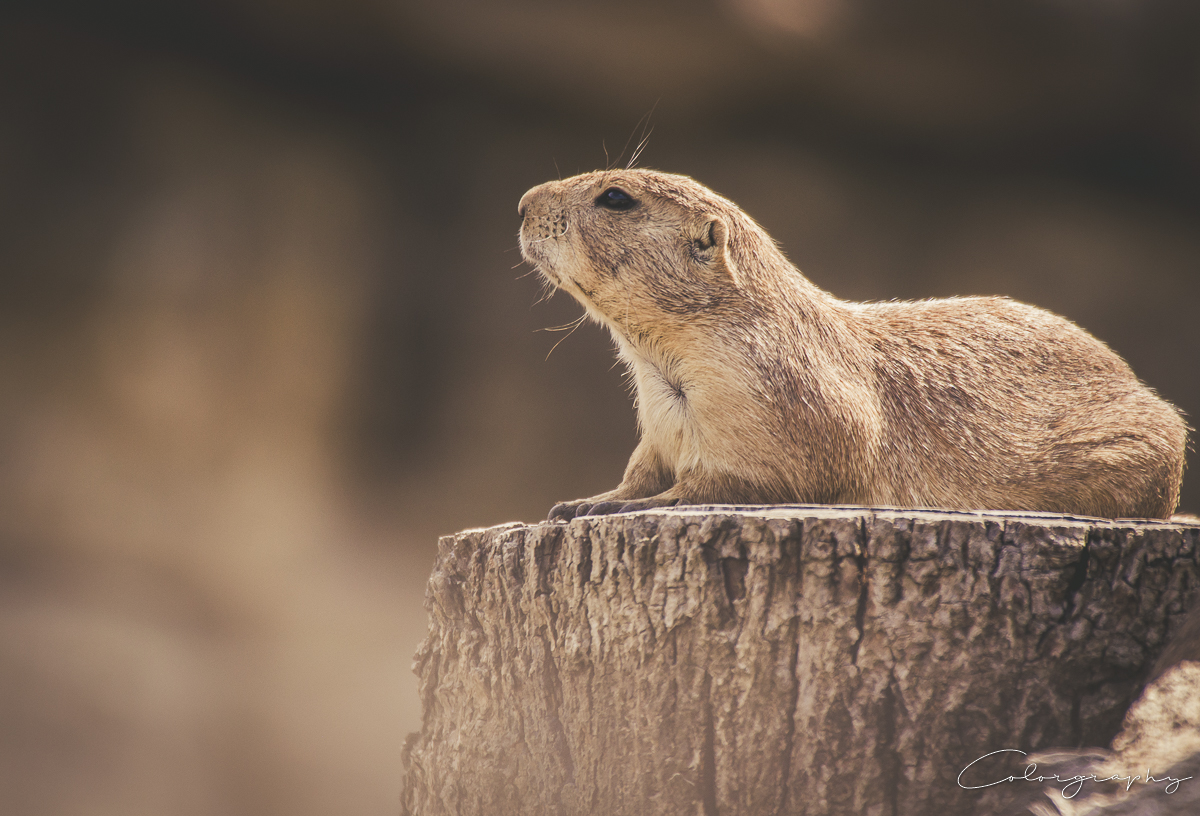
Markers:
{"x": 668, "y": 415}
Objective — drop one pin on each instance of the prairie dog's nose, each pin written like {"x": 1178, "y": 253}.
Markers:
{"x": 529, "y": 196}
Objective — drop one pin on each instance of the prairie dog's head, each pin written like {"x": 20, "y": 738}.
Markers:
{"x": 634, "y": 247}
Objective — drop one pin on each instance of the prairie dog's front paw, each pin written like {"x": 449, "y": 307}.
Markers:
{"x": 603, "y": 507}
{"x": 565, "y": 511}
{"x": 634, "y": 506}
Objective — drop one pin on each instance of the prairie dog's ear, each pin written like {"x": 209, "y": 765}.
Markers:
{"x": 709, "y": 243}
{"x": 710, "y": 233}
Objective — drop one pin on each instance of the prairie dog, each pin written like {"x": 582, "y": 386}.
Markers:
{"x": 754, "y": 386}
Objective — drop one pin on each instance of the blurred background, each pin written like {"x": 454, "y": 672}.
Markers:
{"x": 264, "y": 333}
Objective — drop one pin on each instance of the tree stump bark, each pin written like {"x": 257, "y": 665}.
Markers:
{"x": 778, "y": 660}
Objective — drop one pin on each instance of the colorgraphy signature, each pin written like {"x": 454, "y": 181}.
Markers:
{"x": 1071, "y": 784}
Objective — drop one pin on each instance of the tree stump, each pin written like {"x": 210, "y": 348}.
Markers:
{"x": 778, "y": 660}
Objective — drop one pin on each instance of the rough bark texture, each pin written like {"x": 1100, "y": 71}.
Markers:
{"x": 771, "y": 660}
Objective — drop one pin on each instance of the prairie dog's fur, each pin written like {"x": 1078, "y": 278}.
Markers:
{"x": 753, "y": 386}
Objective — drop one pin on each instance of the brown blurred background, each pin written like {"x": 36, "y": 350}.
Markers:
{"x": 263, "y": 334}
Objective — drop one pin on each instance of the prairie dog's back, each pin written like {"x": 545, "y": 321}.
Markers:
{"x": 1012, "y": 404}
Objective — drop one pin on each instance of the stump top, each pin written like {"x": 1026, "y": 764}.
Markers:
{"x": 841, "y": 511}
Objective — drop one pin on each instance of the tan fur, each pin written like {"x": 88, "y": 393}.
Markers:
{"x": 753, "y": 386}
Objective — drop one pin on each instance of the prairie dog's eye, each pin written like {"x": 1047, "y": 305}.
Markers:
{"x": 614, "y": 198}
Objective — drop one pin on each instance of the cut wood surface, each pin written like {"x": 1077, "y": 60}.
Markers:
{"x": 772, "y": 660}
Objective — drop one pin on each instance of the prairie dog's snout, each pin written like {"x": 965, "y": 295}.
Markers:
{"x": 541, "y": 220}
{"x": 532, "y": 195}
